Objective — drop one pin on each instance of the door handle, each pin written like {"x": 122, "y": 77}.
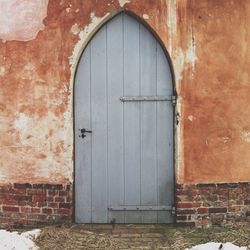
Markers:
{"x": 83, "y": 131}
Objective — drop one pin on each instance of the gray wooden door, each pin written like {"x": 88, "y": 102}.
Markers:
{"x": 124, "y": 168}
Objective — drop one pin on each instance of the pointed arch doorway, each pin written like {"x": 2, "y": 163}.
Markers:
{"x": 123, "y": 127}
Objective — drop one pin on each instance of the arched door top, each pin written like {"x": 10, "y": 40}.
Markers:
{"x": 124, "y": 127}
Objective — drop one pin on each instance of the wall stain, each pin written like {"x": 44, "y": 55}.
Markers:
{"x": 207, "y": 42}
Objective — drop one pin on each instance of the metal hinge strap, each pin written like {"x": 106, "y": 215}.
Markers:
{"x": 141, "y": 208}
{"x": 169, "y": 98}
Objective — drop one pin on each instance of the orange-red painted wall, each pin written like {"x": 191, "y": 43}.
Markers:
{"x": 40, "y": 45}
{"x": 216, "y": 110}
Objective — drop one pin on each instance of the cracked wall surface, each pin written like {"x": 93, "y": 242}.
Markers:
{"x": 40, "y": 46}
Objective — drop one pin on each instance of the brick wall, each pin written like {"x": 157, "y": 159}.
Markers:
{"x": 212, "y": 204}
{"x": 197, "y": 205}
{"x": 35, "y": 204}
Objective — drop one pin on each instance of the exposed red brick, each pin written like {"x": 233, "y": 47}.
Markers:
{"x": 217, "y": 219}
{"x": 10, "y": 209}
{"x": 22, "y": 186}
{"x": 215, "y": 204}
{"x": 217, "y": 210}
{"x": 25, "y": 209}
{"x": 53, "y": 204}
{"x": 202, "y": 210}
{"x": 181, "y": 217}
{"x": 227, "y": 185}
{"x": 63, "y": 193}
{"x": 64, "y": 205}
{"x": 40, "y": 186}
{"x": 59, "y": 199}
{"x": 41, "y": 204}
{"x": 188, "y": 205}
{"x": 17, "y": 191}
{"x": 39, "y": 198}
{"x": 63, "y": 211}
{"x": 34, "y": 204}
{"x": 36, "y": 191}
{"x": 53, "y": 192}
{"x": 22, "y": 197}
{"x": 212, "y": 198}
{"x": 35, "y": 210}
{"x": 235, "y": 208}
{"x": 47, "y": 210}
{"x": 186, "y": 211}
{"x": 50, "y": 199}
{"x": 9, "y": 202}
{"x": 57, "y": 187}
{"x": 206, "y": 185}
{"x": 181, "y": 192}
{"x": 47, "y": 186}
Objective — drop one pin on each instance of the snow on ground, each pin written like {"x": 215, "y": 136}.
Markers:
{"x": 217, "y": 246}
{"x": 24, "y": 241}
{"x": 16, "y": 241}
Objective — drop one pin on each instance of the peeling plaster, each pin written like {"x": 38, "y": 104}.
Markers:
{"x": 2, "y": 71}
{"x": 2, "y": 177}
{"x": 178, "y": 141}
{"x": 75, "y": 29}
{"x": 245, "y": 135}
{"x": 29, "y": 67}
{"x": 184, "y": 58}
{"x": 181, "y": 59}
{"x": 226, "y": 139}
{"x": 83, "y": 36}
{"x": 123, "y": 2}
{"x": 171, "y": 24}
{"x": 21, "y": 20}
{"x": 23, "y": 122}
{"x": 190, "y": 118}
{"x": 30, "y": 73}
{"x": 191, "y": 54}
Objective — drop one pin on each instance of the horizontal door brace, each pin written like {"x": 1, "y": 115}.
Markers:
{"x": 141, "y": 208}
{"x": 156, "y": 98}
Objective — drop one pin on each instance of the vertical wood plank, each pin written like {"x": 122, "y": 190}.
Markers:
{"x": 99, "y": 126}
{"x": 148, "y": 124}
{"x": 115, "y": 116}
{"x": 132, "y": 118}
{"x": 83, "y": 146}
{"x": 165, "y": 137}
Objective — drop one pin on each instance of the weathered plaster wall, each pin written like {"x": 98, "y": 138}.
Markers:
{"x": 216, "y": 107}
{"x": 39, "y": 50}
{"x": 21, "y": 20}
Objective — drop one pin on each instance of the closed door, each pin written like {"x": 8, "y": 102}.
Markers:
{"x": 123, "y": 128}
